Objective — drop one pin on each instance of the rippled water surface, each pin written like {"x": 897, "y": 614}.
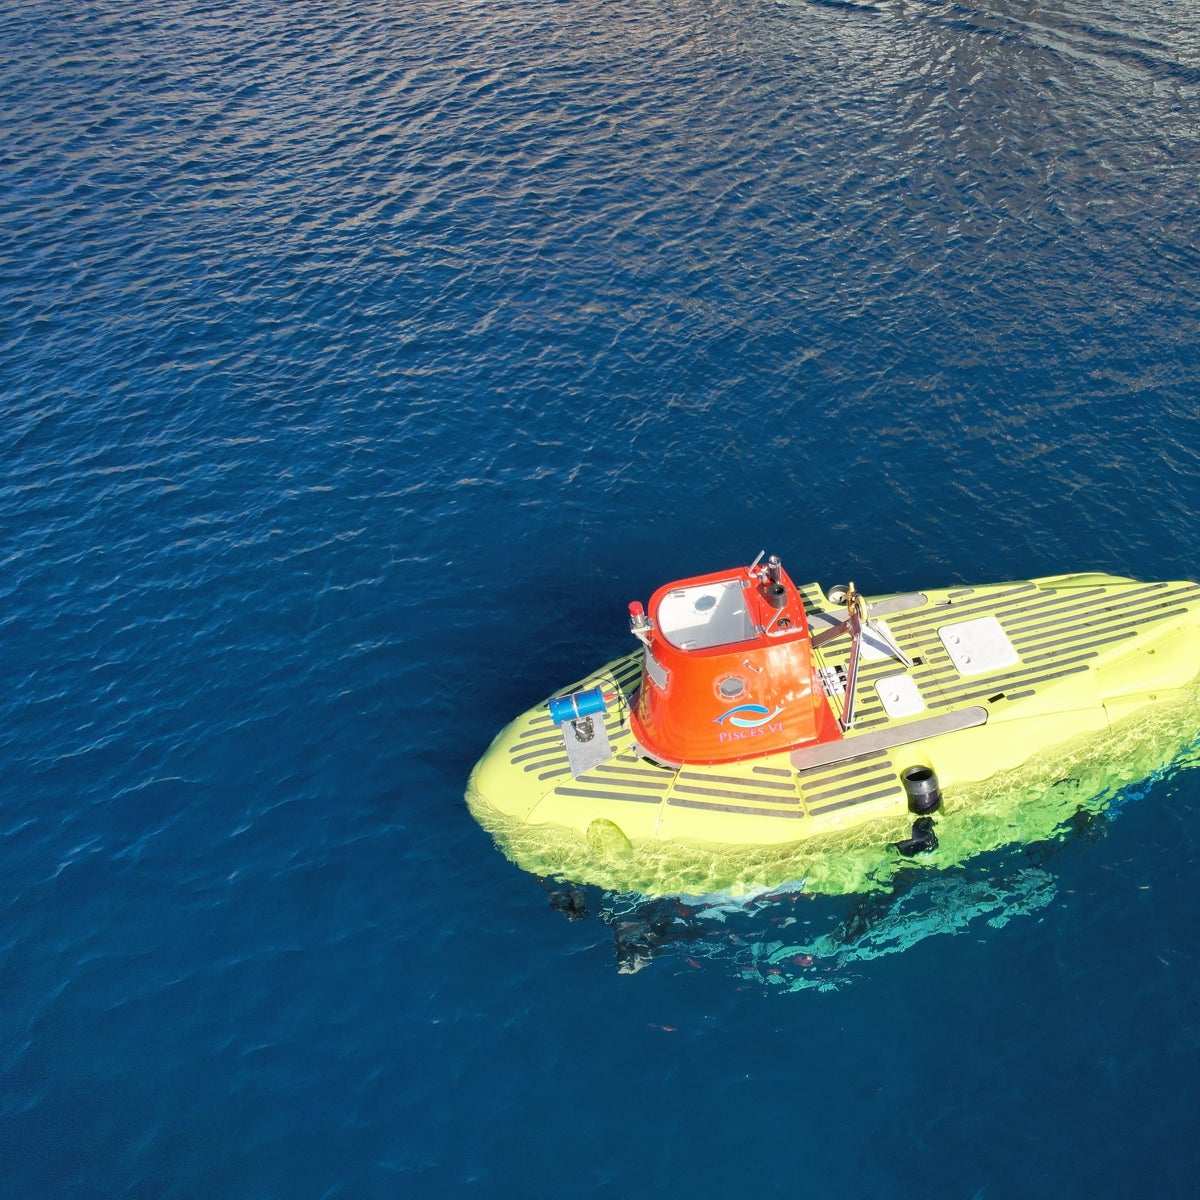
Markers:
{"x": 358, "y": 363}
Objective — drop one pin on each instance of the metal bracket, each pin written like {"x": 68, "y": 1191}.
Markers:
{"x": 858, "y": 618}
{"x": 586, "y": 740}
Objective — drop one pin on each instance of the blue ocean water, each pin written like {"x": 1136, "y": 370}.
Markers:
{"x": 359, "y": 362}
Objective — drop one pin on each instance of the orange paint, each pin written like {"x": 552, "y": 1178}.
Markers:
{"x": 728, "y": 672}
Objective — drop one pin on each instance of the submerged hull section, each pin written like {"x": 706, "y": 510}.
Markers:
{"x": 1028, "y": 700}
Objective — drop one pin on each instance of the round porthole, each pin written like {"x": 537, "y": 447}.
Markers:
{"x": 731, "y": 687}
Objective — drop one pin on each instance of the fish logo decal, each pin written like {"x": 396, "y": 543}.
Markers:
{"x": 761, "y": 716}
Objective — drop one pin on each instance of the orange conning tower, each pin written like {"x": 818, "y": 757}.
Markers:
{"x": 728, "y": 670}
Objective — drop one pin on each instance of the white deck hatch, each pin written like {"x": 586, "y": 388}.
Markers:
{"x": 705, "y": 615}
{"x": 900, "y": 695}
{"x": 978, "y": 646}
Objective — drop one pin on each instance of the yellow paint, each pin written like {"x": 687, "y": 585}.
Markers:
{"x": 1106, "y": 692}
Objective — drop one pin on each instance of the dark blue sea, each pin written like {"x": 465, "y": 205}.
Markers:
{"x": 359, "y": 362}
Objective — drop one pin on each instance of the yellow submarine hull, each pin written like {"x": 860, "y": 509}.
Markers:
{"x": 1099, "y": 688}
